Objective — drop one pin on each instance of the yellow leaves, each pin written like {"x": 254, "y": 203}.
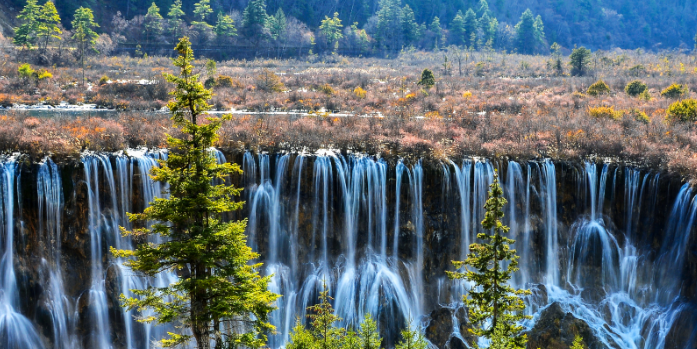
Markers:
{"x": 467, "y": 95}
{"x": 359, "y": 92}
{"x": 433, "y": 115}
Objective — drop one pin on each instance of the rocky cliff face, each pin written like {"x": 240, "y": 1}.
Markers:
{"x": 608, "y": 250}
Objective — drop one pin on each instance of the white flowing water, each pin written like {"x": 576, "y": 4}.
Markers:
{"x": 367, "y": 230}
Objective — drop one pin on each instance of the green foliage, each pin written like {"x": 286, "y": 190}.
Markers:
{"x": 578, "y": 343}
{"x": 500, "y": 340}
{"x": 25, "y": 71}
{"x": 225, "y": 26}
{"x": 388, "y": 31}
{"x": 322, "y": 321}
{"x": 427, "y": 79}
{"x": 254, "y": 19}
{"x": 83, "y": 33}
{"x": 491, "y": 300}
{"x": 470, "y": 26}
{"x": 675, "y": 91}
{"x": 437, "y": 30}
{"x": 598, "y": 88}
{"x": 685, "y": 110}
{"x": 411, "y": 339}
{"x": 368, "y": 335}
{"x": 645, "y": 96}
{"x": 331, "y": 29}
{"x": 152, "y": 22}
{"x": 579, "y": 60}
{"x": 635, "y": 88}
{"x": 48, "y": 24}
{"x": 202, "y": 10}
{"x": 529, "y": 33}
{"x": 640, "y": 116}
{"x": 26, "y": 33}
{"x": 211, "y": 67}
{"x": 103, "y": 80}
{"x": 219, "y": 288}
{"x": 175, "y": 14}
{"x": 277, "y": 24}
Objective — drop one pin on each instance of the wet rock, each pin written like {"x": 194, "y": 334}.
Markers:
{"x": 683, "y": 334}
{"x": 556, "y": 329}
{"x": 440, "y": 330}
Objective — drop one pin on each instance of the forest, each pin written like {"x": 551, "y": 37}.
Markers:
{"x": 383, "y": 27}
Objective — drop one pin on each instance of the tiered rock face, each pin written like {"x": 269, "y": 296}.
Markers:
{"x": 381, "y": 234}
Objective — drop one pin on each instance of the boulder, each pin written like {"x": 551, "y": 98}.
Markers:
{"x": 556, "y": 329}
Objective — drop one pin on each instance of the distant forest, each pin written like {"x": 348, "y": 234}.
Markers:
{"x": 370, "y": 26}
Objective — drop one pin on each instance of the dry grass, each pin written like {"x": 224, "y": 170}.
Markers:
{"x": 501, "y": 105}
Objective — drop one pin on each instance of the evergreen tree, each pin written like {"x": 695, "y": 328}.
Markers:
{"x": 457, "y": 28}
{"x": 578, "y": 343}
{"x": 368, "y": 335}
{"x": 153, "y": 22}
{"x": 255, "y": 20}
{"x": 427, "y": 79}
{"x": 491, "y": 300}
{"x": 579, "y": 60}
{"x": 49, "y": 21}
{"x": 529, "y": 33}
{"x": 83, "y": 33}
{"x": 225, "y": 26}
{"x": 277, "y": 25}
{"x": 389, "y": 24}
{"x": 175, "y": 14}
{"x": 411, "y": 339}
{"x": 437, "y": 30}
{"x": 202, "y": 10}
{"x": 219, "y": 288}
{"x": 410, "y": 29}
{"x": 331, "y": 29}
{"x": 323, "y": 320}
{"x": 26, "y": 34}
{"x": 470, "y": 28}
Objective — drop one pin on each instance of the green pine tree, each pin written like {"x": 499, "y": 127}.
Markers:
{"x": 411, "y": 339}
{"x": 224, "y": 27}
{"x": 323, "y": 322}
{"x": 529, "y": 33}
{"x": 49, "y": 22}
{"x": 152, "y": 22}
{"x": 579, "y": 60}
{"x": 437, "y": 31}
{"x": 578, "y": 343}
{"x": 410, "y": 29}
{"x": 457, "y": 28}
{"x": 202, "y": 10}
{"x": 278, "y": 24}
{"x": 470, "y": 26}
{"x": 26, "y": 35}
{"x": 255, "y": 21}
{"x": 83, "y": 33}
{"x": 492, "y": 300}
{"x": 368, "y": 335}
{"x": 219, "y": 288}
{"x": 331, "y": 29}
{"x": 175, "y": 14}
{"x": 427, "y": 79}
{"x": 388, "y": 33}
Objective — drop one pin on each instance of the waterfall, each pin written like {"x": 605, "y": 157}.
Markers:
{"x": 16, "y": 331}
{"x": 379, "y": 233}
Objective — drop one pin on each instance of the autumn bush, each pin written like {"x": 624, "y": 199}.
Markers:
{"x": 675, "y": 91}
{"x": 685, "y": 110}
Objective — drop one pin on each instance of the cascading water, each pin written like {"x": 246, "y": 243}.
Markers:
{"x": 16, "y": 331}
{"x": 367, "y": 228}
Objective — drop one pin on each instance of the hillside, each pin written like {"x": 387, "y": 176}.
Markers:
{"x": 596, "y": 24}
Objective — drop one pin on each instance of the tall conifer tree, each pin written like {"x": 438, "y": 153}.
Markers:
{"x": 494, "y": 307}
{"x": 219, "y": 288}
